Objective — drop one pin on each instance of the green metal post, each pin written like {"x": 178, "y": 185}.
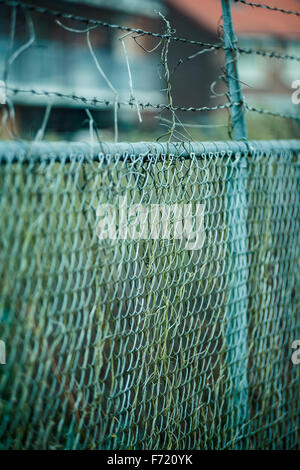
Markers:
{"x": 236, "y": 314}
{"x": 236, "y": 98}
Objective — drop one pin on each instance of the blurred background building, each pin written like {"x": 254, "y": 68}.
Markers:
{"x": 267, "y": 82}
{"x": 59, "y": 60}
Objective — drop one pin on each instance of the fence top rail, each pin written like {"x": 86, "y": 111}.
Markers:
{"x": 68, "y": 151}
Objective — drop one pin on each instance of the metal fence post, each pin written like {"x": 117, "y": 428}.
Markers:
{"x": 236, "y": 98}
{"x": 236, "y": 313}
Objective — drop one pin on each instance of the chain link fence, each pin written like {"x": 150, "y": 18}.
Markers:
{"x": 143, "y": 343}
{"x": 149, "y": 292}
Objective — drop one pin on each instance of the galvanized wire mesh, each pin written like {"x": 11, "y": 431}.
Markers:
{"x": 118, "y": 342}
{"x": 143, "y": 344}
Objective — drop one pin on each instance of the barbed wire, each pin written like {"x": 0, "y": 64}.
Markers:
{"x": 268, "y": 7}
{"x": 271, "y": 54}
{"x": 94, "y": 102}
{"x": 272, "y": 113}
{"x": 98, "y": 103}
{"x": 105, "y": 24}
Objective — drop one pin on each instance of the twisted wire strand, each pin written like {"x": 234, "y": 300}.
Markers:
{"x": 105, "y": 24}
{"x": 272, "y": 113}
{"x": 268, "y": 7}
{"x": 271, "y": 54}
{"x": 96, "y": 102}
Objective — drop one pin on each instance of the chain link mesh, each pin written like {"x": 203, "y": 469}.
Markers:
{"x": 143, "y": 344}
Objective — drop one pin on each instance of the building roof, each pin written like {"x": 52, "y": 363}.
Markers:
{"x": 247, "y": 20}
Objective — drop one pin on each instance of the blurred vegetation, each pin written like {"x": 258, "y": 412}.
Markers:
{"x": 73, "y": 125}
